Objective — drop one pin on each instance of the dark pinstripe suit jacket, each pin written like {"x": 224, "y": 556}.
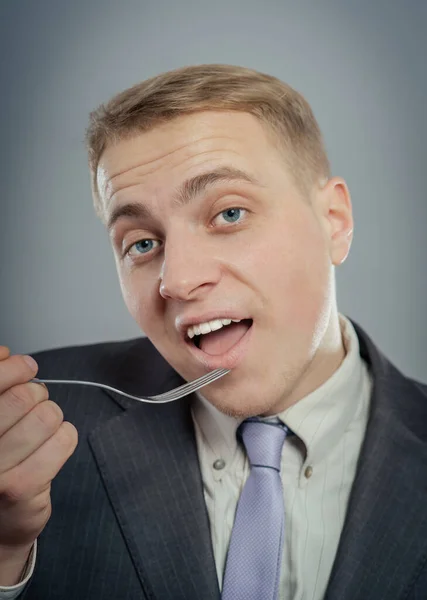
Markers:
{"x": 129, "y": 519}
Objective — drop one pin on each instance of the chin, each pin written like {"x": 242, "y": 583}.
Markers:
{"x": 244, "y": 396}
{"x": 238, "y": 405}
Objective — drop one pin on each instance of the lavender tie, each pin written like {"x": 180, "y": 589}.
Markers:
{"x": 254, "y": 556}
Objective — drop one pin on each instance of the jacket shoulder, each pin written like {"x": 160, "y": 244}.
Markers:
{"x": 95, "y": 349}
{"x": 421, "y": 386}
{"x": 99, "y": 359}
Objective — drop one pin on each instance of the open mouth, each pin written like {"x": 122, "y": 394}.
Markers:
{"x": 223, "y": 336}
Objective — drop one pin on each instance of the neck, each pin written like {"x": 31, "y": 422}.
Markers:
{"x": 326, "y": 360}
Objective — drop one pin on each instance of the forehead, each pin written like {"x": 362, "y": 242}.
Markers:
{"x": 189, "y": 142}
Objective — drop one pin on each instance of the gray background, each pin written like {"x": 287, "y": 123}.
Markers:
{"x": 361, "y": 65}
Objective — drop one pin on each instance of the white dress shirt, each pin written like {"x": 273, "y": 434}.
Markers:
{"x": 13, "y": 591}
{"x": 318, "y": 469}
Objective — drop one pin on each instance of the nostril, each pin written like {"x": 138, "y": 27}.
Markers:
{"x": 163, "y": 291}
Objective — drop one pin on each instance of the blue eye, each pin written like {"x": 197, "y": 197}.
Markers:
{"x": 144, "y": 246}
{"x": 231, "y": 215}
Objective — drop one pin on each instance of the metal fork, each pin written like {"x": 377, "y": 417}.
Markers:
{"x": 175, "y": 394}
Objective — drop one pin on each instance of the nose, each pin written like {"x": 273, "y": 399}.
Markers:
{"x": 189, "y": 270}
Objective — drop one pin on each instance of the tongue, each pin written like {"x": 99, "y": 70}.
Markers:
{"x": 218, "y": 342}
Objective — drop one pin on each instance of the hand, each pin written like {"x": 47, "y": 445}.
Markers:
{"x": 35, "y": 442}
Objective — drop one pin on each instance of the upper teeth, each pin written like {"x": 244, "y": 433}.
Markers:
{"x": 209, "y": 326}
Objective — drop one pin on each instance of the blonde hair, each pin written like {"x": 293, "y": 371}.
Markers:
{"x": 213, "y": 87}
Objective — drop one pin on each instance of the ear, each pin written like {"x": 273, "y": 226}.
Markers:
{"x": 334, "y": 203}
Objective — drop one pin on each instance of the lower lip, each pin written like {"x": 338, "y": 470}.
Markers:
{"x": 228, "y": 360}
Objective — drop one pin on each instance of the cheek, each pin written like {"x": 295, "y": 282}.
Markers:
{"x": 309, "y": 285}
{"x": 295, "y": 270}
{"x": 142, "y": 298}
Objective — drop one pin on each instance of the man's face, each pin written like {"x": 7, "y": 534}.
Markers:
{"x": 219, "y": 231}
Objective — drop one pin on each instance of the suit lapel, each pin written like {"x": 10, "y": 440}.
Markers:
{"x": 383, "y": 545}
{"x": 148, "y": 461}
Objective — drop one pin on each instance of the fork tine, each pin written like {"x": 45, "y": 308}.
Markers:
{"x": 192, "y": 386}
{"x": 205, "y": 379}
{"x": 177, "y": 394}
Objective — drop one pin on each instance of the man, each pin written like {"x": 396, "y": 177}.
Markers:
{"x": 226, "y": 227}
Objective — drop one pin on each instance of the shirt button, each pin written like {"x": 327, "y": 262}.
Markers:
{"x": 219, "y": 464}
{"x": 308, "y": 472}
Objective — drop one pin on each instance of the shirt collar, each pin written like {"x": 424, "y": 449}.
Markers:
{"x": 319, "y": 419}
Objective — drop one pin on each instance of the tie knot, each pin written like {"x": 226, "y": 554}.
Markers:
{"x": 263, "y": 442}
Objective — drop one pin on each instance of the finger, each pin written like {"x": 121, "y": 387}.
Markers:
{"x": 34, "y": 474}
{"x": 15, "y": 369}
{"x": 4, "y": 352}
{"x": 29, "y": 434}
{"x": 18, "y": 401}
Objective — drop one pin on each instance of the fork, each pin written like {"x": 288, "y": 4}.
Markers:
{"x": 175, "y": 394}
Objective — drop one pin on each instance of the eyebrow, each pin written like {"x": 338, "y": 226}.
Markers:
{"x": 186, "y": 193}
